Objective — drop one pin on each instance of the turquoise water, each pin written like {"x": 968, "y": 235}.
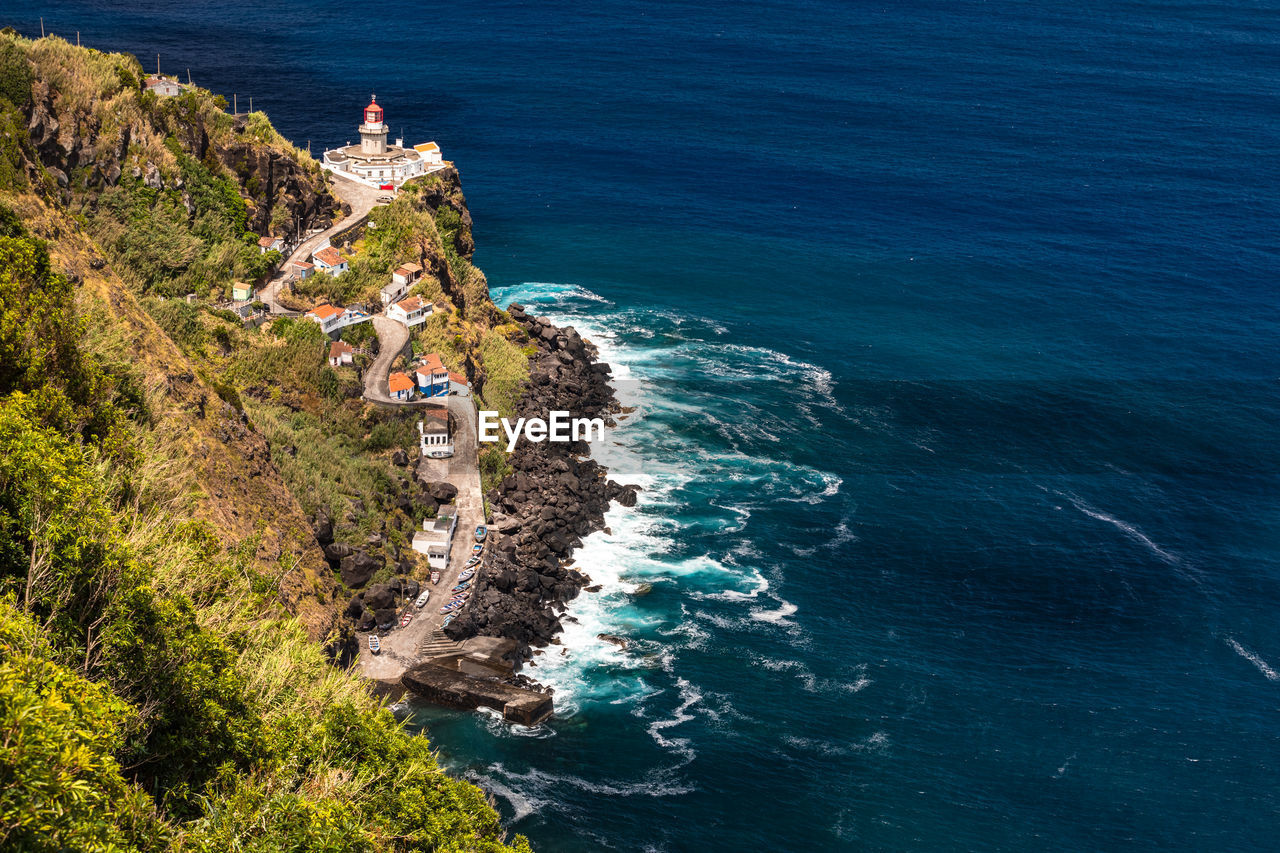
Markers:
{"x": 951, "y": 333}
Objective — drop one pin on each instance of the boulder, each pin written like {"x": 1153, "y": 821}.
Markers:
{"x": 386, "y": 619}
{"x": 620, "y": 642}
{"x": 379, "y": 597}
{"x": 440, "y": 492}
{"x": 400, "y": 459}
{"x": 357, "y": 569}
{"x": 336, "y": 551}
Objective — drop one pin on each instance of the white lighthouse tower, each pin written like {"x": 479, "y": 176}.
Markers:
{"x": 373, "y": 131}
{"x": 374, "y": 162}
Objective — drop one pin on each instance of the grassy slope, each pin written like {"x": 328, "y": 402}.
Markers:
{"x": 197, "y": 551}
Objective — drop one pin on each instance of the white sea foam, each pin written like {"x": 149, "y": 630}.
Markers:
{"x": 1183, "y": 568}
{"x": 1256, "y": 660}
{"x": 777, "y": 617}
{"x": 655, "y": 378}
{"x": 811, "y": 682}
{"x": 689, "y": 696}
{"x": 875, "y": 742}
{"x": 535, "y": 785}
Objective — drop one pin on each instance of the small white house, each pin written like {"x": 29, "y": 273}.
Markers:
{"x": 406, "y": 275}
{"x": 163, "y": 86}
{"x": 302, "y": 269}
{"x": 341, "y": 353}
{"x": 393, "y": 292}
{"x": 459, "y": 385}
{"x": 430, "y": 153}
{"x": 330, "y": 317}
{"x": 436, "y": 537}
{"x": 270, "y": 244}
{"x": 433, "y": 434}
{"x": 328, "y": 260}
{"x": 400, "y": 386}
{"x": 411, "y": 311}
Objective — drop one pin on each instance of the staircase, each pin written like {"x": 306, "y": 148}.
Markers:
{"x": 437, "y": 645}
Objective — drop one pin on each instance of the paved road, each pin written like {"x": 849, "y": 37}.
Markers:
{"x": 392, "y": 337}
{"x": 360, "y": 197}
{"x": 402, "y": 647}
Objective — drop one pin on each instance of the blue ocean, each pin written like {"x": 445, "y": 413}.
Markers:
{"x": 951, "y": 332}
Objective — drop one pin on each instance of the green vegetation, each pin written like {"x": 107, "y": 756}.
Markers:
{"x": 155, "y": 695}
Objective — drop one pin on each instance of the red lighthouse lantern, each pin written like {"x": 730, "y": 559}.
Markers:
{"x": 373, "y": 112}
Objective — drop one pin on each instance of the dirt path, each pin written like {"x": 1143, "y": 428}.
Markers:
{"x": 360, "y": 198}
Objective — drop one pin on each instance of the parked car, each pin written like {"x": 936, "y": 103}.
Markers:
{"x": 481, "y": 533}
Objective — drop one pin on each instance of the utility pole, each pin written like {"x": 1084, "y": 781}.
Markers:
{"x": 42, "y": 26}
{"x": 188, "y": 76}
{"x": 157, "y": 65}
{"x": 251, "y": 103}
{"x": 77, "y": 38}
{"x": 235, "y": 104}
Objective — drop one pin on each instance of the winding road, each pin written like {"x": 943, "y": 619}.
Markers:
{"x": 360, "y": 198}
{"x": 392, "y": 337}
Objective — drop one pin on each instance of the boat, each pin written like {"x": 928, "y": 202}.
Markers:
{"x": 477, "y": 549}
{"x": 474, "y": 561}
{"x": 462, "y": 587}
{"x": 467, "y": 575}
{"x": 422, "y": 599}
{"x": 481, "y": 533}
{"x": 447, "y": 620}
{"x": 435, "y": 577}
{"x": 406, "y": 618}
{"x": 375, "y": 645}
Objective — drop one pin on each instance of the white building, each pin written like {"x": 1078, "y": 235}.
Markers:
{"x": 378, "y": 164}
{"x": 163, "y": 86}
{"x": 407, "y": 274}
{"x": 436, "y": 537}
{"x": 270, "y": 244}
{"x": 393, "y": 292}
{"x": 432, "y": 376}
{"x": 334, "y": 317}
{"x": 330, "y": 261}
{"x": 411, "y": 311}
{"x": 341, "y": 353}
{"x": 433, "y": 434}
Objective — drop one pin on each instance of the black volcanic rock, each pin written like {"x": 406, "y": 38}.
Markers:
{"x": 358, "y": 568}
{"x": 552, "y": 499}
{"x": 337, "y": 551}
{"x": 379, "y": 597}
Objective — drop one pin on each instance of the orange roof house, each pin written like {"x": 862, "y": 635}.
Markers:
{"x": 400, "y": 386}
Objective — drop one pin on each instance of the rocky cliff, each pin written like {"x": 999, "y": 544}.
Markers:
{"x": 554, "y": 497}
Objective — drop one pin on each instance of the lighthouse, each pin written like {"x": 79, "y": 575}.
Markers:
{"x": 373, "y": 130}
{"x": 374, "y": 162}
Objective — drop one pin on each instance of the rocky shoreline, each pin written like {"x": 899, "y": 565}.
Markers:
{"x": 554, "y": 497}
